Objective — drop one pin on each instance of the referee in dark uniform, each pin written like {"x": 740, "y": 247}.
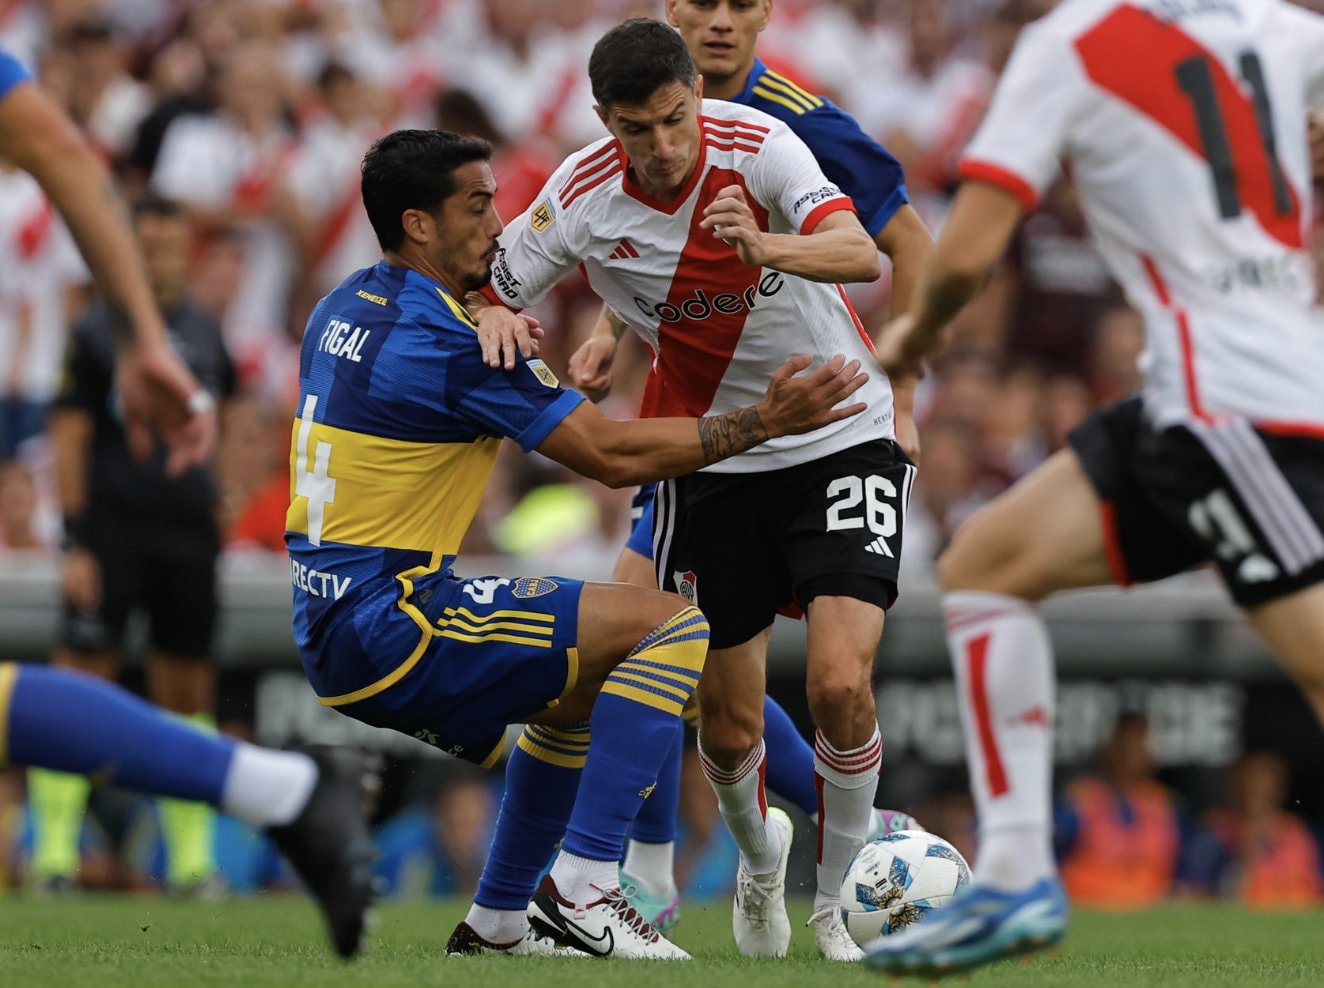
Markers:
{"x": 136, "y": 539}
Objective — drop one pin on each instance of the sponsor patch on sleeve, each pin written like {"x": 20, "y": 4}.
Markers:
{"x": 543, "y": 216}
{"x": 543, "y": 373}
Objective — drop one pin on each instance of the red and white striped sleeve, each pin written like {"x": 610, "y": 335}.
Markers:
{"x": 1022, "y": 140}
{"x": 547, "y": 240}
{"x": 786, "y": 176}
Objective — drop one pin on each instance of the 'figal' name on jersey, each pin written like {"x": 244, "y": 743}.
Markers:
{"x": 340, "y": 339}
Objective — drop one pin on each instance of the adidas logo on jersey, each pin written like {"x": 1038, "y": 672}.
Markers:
{"x": 879, "y": 547}
{"x": 623, "y": 250}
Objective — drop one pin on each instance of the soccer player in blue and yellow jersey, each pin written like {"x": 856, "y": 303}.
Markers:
{"x": 721, "y": 36}
{"x": 311, "y": 807}
{"x": 399, "y": 424}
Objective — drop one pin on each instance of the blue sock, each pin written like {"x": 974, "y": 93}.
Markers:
{"x": 790, "y": 758}
{"x": 655, "y": 822}
{"x": 542, "y": 778}
{"x": 71, "y": 722}
{"x": 634, "y": 723}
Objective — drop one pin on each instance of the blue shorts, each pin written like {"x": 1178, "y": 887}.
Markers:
{"x": 641, "y": 515}
{"x": 455, "y": 661}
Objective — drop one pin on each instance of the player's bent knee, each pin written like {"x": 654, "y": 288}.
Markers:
{"x": 682, "y": 637}
{"x": 728, "y": 733}
{"x": 833, "y": 697}
{"x": 982, "y": 557}
{"x": 663, "y": 670}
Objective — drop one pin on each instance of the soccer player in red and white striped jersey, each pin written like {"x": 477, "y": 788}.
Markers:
{"x": 1184, "y": 124}
{"x": 710, "y": 228}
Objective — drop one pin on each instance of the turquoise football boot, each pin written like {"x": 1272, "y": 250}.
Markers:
{"x": 981, "y": 926}
{"x": 661, "y": 911}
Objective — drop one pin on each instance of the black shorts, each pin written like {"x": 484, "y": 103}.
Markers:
{"x": 743, "y": 547}
{"x": 1248, "y": 499}
{"x": 167, "y": 572}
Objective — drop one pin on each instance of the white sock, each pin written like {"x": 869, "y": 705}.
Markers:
{"x": 744, "y": 806}
{"x": 498, "y": 925}
{"x": 267, "y": 788}
{"x": 1005, "y": 682}
{"x": 583, "y": 880}
{"x": 651, "y": 865}
{"x": 847, "y": 783}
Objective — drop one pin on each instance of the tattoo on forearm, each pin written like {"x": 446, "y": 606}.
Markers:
{"x": 731, "y": 433}
{"x": 618, "y": 325}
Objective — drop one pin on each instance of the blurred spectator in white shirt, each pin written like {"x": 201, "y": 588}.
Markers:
{"x": 226, "y": 168}
{"x": 927, "y": 114}
{"x": 43, "y": 286}
{"x": 331, "y": 228}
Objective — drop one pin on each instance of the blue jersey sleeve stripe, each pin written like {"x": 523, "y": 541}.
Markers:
{"x": 12, "y": 73}
{"x": 781, "y": 100}
{"x": 777, "y": 83}
{"x": 550, "y": 417}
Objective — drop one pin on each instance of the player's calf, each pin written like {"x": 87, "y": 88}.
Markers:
{"x": 580, "y": 903}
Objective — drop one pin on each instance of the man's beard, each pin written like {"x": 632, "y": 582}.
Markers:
{"x": 478, "y": 281}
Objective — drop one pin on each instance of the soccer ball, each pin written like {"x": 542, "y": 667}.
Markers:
{"x": 896, "y": 880}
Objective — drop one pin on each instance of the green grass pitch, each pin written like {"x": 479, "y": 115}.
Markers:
{"x": 99, "y": 942}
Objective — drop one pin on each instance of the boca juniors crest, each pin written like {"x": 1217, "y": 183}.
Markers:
{"x": 528, "y": 587}
{"x": 687, "y": 585}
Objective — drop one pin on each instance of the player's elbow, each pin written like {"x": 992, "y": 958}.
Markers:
{"x": 869, "y": 268}
{"x": 863, "y": 265}
{"x": 621, "y": 472}
{"x": 608, "y": 467}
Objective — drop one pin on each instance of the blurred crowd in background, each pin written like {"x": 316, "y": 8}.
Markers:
{"x": 253, "y": 115}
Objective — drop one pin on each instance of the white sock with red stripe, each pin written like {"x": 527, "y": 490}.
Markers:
{"x": 847, "y": 782}
{"x": 744, "y": 806}
{"x": 1005, "y": 682}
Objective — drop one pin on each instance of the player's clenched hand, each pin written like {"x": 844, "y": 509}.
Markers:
{"x": 502, "y": 332}
{"x": 159, "y": 394}
{"x": 731, "y": 220}
{"x": 796, "y": 402}
{"x": 900, "y": 352}
{"x": 590, "y": 367}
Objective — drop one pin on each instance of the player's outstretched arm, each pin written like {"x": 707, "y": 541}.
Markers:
{"x": 155, "y": 386}
{"x": 981, "y": 223}
{"x": 37, "y": 136}
{"x": 636, "y": 451}
{"x": 907, "y": 243}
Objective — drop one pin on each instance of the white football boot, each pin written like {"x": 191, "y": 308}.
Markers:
{"x": 606, "y": 927}
{"x": 758, "y": 915}
{"x": 465, "y": 942}
{"x": 832, "y": 937}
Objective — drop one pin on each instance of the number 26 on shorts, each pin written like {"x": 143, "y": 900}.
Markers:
{"x": 863, "y": 502}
